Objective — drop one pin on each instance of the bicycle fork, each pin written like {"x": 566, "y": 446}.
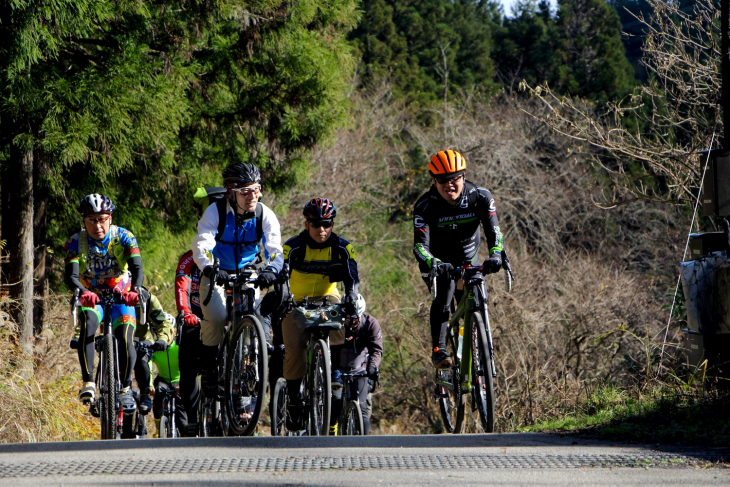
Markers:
{"x": 487, "y": 327}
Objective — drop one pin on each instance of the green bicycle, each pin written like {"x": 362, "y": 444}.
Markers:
{"x": 469, "y": 343}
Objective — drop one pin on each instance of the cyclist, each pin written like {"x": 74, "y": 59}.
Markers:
{"x": 446, "y": 235}
{"x": 158, "y": 327}
{"x": 167, "y": 363}
{"x": 101, "y": 259}
{"x": 318, "y": 259}
{"x": 187, "y": 299}
{"x": 361, "y": 352}
{"x": 236, "y": 246}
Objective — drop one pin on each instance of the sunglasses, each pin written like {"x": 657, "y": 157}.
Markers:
{"x": 324, "y": 223}
{"x": 99, "y": 220}
{"x": 247, "y": 189}
{"x": 444, "y": 181}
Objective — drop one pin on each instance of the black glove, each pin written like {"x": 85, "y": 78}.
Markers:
{"x": 160, "y": 346}
{"x": 266, "y": 279}
{"x": 221, "y": 277}
{"x": 444, "y": 269}
{"x": 492, "y": 265}
{"x": 373, "y": 373}
{"x": 146, "y": 344}
{"x": 336, "y": 273}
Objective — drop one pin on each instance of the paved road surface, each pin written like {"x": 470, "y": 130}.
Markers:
{"x": 433, "y": 460}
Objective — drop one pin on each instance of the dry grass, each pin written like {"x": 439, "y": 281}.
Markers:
{"x": 44, "y": 408}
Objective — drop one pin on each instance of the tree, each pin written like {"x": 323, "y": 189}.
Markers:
{"x": 679, "y": 108}
{"x": 591, "y": 57}
{"x": 524, "y": 46}
{"x": 429, "y": 49}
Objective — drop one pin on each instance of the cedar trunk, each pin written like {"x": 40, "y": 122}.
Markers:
{"x": 18, "y": 231}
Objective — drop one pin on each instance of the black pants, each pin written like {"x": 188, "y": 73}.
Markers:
{"x": 441, "y": 309}
{"x": 124, "y": 334}
{"x": 142, "y": 372}
{"x": 189, "y": 358}
{"x": 363, "y": 389}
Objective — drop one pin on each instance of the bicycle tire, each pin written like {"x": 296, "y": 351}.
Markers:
{"x": 482, "y": 380}
{"x": 352, "y": 424}
{"x": 453, "y": 404}
{"x": 279, "y": 402}
{"x": 319, "y": 390}
{"x": 110, "y": 398}
{"x": 129, "y": 427}
{"x": 164, "y": 427}
{"x": 246, "y": 377}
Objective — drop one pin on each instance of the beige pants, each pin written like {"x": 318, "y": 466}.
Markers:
{"x": 295, "y": 344}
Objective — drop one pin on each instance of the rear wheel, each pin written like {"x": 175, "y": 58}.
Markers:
{"x": 448, "y": 390}
{"x": 246, "y": 376}
{"x": 110, "y": 397}
{"x": 482, "y": 379}
{"x": 352, "y": 424}
{"x": 320, "y": 390}
{"x": 278, "y": 408}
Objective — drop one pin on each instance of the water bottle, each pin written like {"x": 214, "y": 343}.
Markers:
{"x": 461, "y": 341}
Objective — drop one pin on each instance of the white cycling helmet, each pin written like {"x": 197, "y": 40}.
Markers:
{"x": 360, "y": 305}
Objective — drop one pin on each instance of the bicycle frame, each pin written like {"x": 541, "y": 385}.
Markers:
{"x": 474, "y": 300}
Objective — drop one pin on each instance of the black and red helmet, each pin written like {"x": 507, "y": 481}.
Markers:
{"x": 318, "y": 209}
{"x": 95, "y": 203}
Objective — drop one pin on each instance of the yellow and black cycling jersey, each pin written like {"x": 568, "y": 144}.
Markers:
{"x": 316, "y": 268}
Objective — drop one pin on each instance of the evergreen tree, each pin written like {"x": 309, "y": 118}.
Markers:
{"x": 524, "y": 46}
{"x": 428, "y": 49}
{"x": 592, "y": 60}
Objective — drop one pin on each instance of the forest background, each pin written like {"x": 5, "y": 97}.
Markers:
{"x": 585, "y": 122}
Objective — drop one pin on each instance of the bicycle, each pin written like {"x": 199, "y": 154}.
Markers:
{"x": 350, "y": 422}
{"x": 242, "y": 362}
{"x": 107, "y": 405}
{"x": 472, "y": 369}
{"x": 316, "y": 387}
{"x": 168, "y": 420}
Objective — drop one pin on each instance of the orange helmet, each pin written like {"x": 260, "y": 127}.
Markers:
{"x": 447, "y": 163}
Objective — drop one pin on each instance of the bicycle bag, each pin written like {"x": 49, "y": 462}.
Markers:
{"x": 330, "y": 317}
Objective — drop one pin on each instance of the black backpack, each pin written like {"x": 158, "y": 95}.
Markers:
{"x": 206, "y": 196}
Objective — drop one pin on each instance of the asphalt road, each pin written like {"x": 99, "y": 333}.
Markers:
{"x": 438, "y": 460}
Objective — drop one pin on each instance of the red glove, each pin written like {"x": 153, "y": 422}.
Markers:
{"x": 130, "y": 298}
{"x": 189, "y": 318}
{"x": 88, "y": 299}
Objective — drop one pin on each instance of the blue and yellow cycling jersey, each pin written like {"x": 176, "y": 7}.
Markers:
{"x": 103, "y": 264}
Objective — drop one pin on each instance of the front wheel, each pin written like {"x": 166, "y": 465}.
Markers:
{"x": 278, "y": 408}
{"x": 110, "y": 407}
{"x": 482, "y": 380}
{"x": 319, "y": 390}
{"x": 246, "y": 377}
{"x": 351, "y": 424}
{"x": 448, "y": 391}
{"x": 165, "y": 428}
